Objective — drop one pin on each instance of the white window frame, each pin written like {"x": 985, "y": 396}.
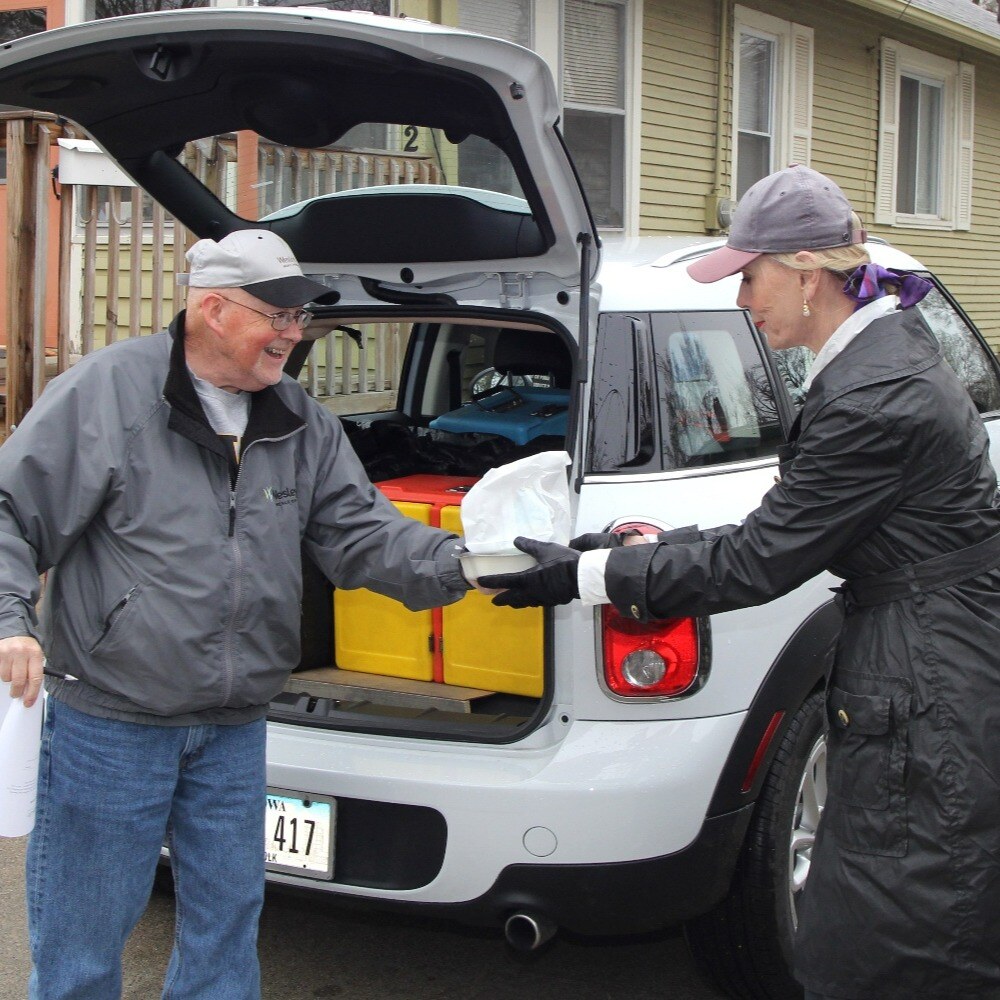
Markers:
{"x": 549, "y": 17}
{"x": 792, "y": 98}
{"x": 957, "y": 80}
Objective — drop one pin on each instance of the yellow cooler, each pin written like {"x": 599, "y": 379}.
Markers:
{"x": 377, "y": 635}
{"x": 470, "y": 643}
{"x": 500, "y": 649}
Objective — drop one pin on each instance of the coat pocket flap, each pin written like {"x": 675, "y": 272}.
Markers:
{"x": 865, "y": 714}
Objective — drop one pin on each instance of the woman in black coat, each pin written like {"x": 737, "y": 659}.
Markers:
{"x": 885, "y": 481}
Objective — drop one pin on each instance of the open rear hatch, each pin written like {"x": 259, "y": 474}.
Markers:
{"x": 505, "y": 199}
{"x": 440, "y": 200}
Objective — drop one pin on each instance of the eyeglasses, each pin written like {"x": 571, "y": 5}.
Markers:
{"x": 281, "y": 320}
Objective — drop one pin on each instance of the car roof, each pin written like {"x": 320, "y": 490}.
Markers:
{"x": 650, "y": 273}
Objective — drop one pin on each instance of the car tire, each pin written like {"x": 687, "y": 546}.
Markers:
{"x": 744, "y": 944}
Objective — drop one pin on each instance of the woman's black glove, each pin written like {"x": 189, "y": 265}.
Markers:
{"x": 601, "y": 540}
{"x": 553, "y": 581}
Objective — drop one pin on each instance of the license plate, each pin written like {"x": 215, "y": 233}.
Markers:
{"x": 299, "y": 835}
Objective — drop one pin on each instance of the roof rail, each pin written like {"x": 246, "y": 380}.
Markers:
{"x": 687, "y": 253}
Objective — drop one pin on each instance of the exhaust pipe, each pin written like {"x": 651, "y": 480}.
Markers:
{"x": 528, "y": 931}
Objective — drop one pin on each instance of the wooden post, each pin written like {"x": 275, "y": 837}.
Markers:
{"x": 20, "y": 270}
{"x": 247, "y": 175}
{"x": 135, "y": 264}
{"x": 65, "y": 264}
{"x": 159, "y": 255}
{"x": 114, "y": 264}
{"x": 329, "y": 345}
{"x": 40, "y": 215}
{"x": 89, "y": 272}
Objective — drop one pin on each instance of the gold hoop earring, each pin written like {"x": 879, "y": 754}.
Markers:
{"x": 806, "y": 311}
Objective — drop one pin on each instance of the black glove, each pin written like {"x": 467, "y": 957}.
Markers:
{"x": 601, "y": 540}
{"x": 552, "y": 581}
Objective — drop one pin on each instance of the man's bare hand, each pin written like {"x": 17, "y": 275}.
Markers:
{"x": 21, "y": 663}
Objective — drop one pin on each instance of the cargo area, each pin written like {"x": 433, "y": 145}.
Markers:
{"x": 472, "y": 396}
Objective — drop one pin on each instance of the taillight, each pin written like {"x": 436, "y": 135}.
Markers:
{"x": 644, "y": 659}
{"x": 658, "y": 658}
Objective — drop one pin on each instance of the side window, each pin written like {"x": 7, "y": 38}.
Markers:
{"x": 680, "y": 391}
{"x": 466, "y": 362}
{"x": 772, "y": 95}
{"x": 716, "y": 400}
{"x": 595, "y": 121}
{"x": 623, "y": 404}
{"x": 793, "y": 364}
{"x": 962, "y": 350}
{"x": 925, "y": 141}
{"x": 458, "y": 354}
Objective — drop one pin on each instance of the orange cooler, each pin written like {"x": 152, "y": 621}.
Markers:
{"x": 470, "y": 643}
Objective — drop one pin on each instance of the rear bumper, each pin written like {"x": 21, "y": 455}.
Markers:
{"x": 626, "y": 898}
{"x": 631, "y": 897}
{"x": 601, "y": 828}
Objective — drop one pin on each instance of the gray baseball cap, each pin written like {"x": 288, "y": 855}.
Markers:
{"x": 793, "y": 209}
{"x": 256, "y": 260}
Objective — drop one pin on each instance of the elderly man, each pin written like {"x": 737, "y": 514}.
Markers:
{"x": 167, "y": 484}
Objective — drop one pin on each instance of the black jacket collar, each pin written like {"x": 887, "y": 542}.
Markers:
{"x": 890, "y": 347}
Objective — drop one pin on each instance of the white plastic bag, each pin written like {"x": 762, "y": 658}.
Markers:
{"x": 528, "y": 497}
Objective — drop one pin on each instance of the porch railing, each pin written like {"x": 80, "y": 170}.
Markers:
{"x": 119, "y": 255}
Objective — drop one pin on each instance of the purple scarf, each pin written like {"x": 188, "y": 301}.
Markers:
{"x": 868, "y": 283}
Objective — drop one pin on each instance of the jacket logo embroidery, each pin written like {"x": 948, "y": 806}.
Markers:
{"x": 280, "y": 497}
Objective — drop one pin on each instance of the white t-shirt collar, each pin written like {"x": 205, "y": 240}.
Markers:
{"x": 227, "y": 412}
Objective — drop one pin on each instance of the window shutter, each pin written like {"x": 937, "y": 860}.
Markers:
{"x": 966, "y": 103}
{"x": 888, "y": 127}
{"x": 506, "y": 19}
{"x": 593, "y": 54}
{"x": 800, "y": 103}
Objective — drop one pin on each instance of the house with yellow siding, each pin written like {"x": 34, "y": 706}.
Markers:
{"x": 672, "y": 108}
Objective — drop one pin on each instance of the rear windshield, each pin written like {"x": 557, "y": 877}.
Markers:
{"x": 370, "y": 155}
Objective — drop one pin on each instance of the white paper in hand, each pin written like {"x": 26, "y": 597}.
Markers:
{"x": 20, "y": 742}
{"x": 528, "y": 497}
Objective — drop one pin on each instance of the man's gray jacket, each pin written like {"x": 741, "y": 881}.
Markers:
{"x": 176, "y": 583}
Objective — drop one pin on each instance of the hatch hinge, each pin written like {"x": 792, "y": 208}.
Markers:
{"x": 515, "y": 288}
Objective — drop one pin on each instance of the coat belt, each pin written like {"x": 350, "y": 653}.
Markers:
{"x": 945, "y": 570}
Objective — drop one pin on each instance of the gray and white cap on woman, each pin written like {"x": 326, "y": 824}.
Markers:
{"x": 793, "y": 209}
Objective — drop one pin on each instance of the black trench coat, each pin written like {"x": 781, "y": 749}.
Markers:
{"x": 887, "y": 468}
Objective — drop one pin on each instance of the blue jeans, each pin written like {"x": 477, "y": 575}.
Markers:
{"x": 109, "y": 792}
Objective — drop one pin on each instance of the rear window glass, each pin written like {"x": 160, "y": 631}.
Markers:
{"x": 370, "y": 155}
{"x": 711, "y": 402}
{"x": 716, "y": 399}
{"x": 962, "y": 350}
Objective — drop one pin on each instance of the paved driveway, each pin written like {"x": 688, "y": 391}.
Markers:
{"x": 311, "y": 950}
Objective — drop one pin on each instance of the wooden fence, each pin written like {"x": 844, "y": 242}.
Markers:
{"x": 116, "y": 256}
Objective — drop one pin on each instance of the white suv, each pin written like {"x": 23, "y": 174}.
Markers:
{"x": 526, "y": 769}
